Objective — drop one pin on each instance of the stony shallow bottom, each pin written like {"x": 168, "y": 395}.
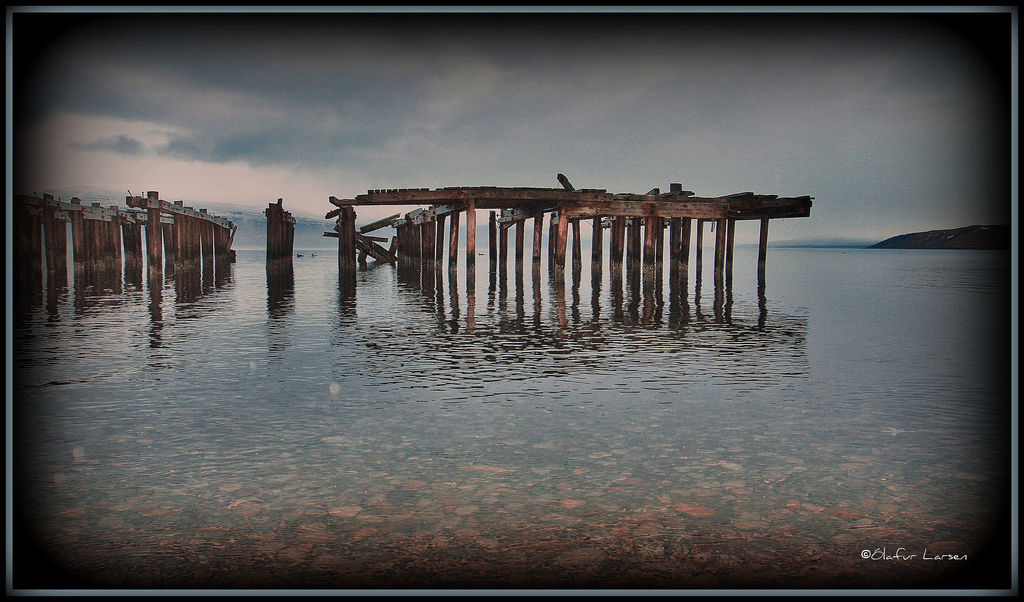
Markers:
{"x": 829, "y": 435}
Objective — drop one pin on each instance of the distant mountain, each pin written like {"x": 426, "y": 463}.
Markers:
{"x": 971, "y": 237}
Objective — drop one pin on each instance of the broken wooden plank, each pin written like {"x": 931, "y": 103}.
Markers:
{"x": 377, "y": 225}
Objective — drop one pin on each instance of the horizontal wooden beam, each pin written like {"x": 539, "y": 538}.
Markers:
{"x": 166, "y": 207}
{"x": 697, "y": 209}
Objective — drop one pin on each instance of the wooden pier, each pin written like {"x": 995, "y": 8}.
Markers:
{"x": 637, "y": 224}
{"x": 103, "y": 239}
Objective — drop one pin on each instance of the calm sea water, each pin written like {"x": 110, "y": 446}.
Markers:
{"x": 845, "y": 429}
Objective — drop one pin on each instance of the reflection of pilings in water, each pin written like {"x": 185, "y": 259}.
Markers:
{"x": 520, "y": 296}
{"x": 679, "y": 306}
{"x": 453, "y": 297}
{"x": 470, "y": 311}
{"x": 188, "y": 283}
{"x": 762, "y": 306}
{"x": 280, "y": 289}
{"x": 762, "y": 251}
{"x": 537, "y": 299}
{"x": 595, "y": 293}
{"x": 156, "y": 314}
{"x": 442, "y": 318}
{"x": 577, "y": 275}
{"x": 558, "y": 288}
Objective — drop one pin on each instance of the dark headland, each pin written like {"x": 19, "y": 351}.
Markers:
{"x": 971, "y": 237}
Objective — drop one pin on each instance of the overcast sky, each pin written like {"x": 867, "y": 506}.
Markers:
{"x": 893, "y": 123}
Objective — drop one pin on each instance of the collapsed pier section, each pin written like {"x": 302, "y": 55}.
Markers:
{"x": 637, "y": 223}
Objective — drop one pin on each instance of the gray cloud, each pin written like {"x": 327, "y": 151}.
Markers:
{"x": 845, "y": 106}
{"x": 123, "y": 145}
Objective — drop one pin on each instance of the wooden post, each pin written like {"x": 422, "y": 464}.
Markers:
{"x": 56, "y": 233}
{"x": 132, "y": 252}
{"x": 684, "y": 249}
{"x": 659, "y": 240}
{"x": 206, "y": 232}
{"x": 170, "y": 243}
{"x": 28, "y": 251}
{"x": 470, "y": 240}
{"x": 520, "y": 244}
{"x": 721, "y": 233}
{"x": 277, "y": 234}
{"x": 415, "y": 244}
{"x": 563, "y": 233}
{"x": 538, "y": 243}
{"x": 699, "y": 260}
{"x": 650, "y": 251}
{"x": 492, "y": 240}
{"x": 453, "y": 243}
{"x": 439, "y": 243}
{"x": 221, "y": 240}
{"x": 618, "y": 240}
{"x": 346, "y": 228}
{"x": 597, "y": 246}
{"x": 154, "y": 241}
{"x": 552, "y": 239}
{"x": 729, "y": 242}
{"x": 577, "y": 247}
{"x": 502, "y": 251}
{"x": 633, "y": 235}
{"x": 428, "y": 232}
{"x": 673, "y": 252}
{"x": 114, "y": 245}
{"x": 762, "y": 252}
{"x": 659, "y": 254}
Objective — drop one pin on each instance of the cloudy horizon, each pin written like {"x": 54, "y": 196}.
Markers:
{"x": 893, "y": 123}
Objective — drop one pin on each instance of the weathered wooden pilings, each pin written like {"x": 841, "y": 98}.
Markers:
{"x": 280, "y": 235}
{"x": 625, "y": 214}
{"x": 28, "y": 249}
{"x": 106, "y": 239}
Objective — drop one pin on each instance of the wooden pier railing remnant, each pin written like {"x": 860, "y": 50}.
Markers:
{"x": 624, "y": 215}
{"x": 280, "y": 235}
{"x": 101, "y": 236}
